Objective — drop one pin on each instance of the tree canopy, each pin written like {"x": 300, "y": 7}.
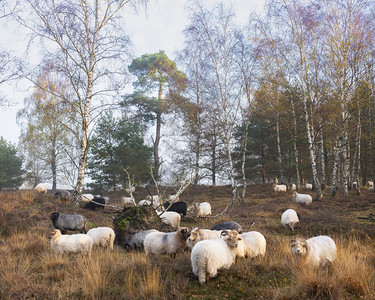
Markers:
{"x": 11, "y": 172}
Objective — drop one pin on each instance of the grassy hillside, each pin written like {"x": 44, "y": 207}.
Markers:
{"x": 29, "y": 269}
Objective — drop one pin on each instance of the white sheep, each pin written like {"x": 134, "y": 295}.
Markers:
{"x": 170, "y": 218}
{"x": 302, "y": 198}
{"x": 41, "y": 188}
{"x": 144, "y": 202}
{"x": 308, "y": 186}
{"x": 354, "y": 185}
{"x": 102, "y": 236}
{"x": 370, "y": 183}
{"x": 154, "y": 200}
{"x": 289, "y": 218}
{"x": 130, "y": 189}
{"x": 315, "y": 251}
{"x": 202, "y": 210}
{"x": 292, "y": 187}
{"x": 128, "y": 201}
{"x": 64, "y": 243}
{"x": 198, "y": 235}
{"x": 87, "y": 197}
{"x": 137, "y": 240}
{"x": 253, "y": 244}
{"x": 279, "y": 187}
{"x": 208, "y": 256}
{"x": 166, "y": 243}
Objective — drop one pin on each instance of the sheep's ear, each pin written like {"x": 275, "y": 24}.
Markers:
{"x": 239, "y": 239}
{"x": 224, "y": 233}
{"x": 305, "y": 244}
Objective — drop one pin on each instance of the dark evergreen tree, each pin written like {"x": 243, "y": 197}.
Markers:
{"x": 11, "y": 172}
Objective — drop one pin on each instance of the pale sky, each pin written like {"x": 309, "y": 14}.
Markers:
{"x": 160, "y": 28}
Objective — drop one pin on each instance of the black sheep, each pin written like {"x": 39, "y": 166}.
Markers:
{"x": 68, "y": 222}
{"x": 97, "y": 202}
{"x": 228, "y": 226}
{"x": 178, "y": 207}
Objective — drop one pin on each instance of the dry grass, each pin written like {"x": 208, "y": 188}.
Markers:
{"x": 29, "y": 269}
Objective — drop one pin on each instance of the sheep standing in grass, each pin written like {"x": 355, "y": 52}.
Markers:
{"x": 308, "y": 186}
{"x": 253, "y": 244}
{"x": 137, "y": 240}
{"x": 202, "y": 210}
{"x": 166, "y": 243}
{"x": 154, "y": 200}
{"x": 102, "y": 236}
{"x": 170, "y": 218}
{"x": 302, "y": 198}
{"x": 198, "y": 235}
{"x": 64, "y": 196}
{"x": 128, "y": 201}
{"x": 370, "y": 183}
{"x": 315, "y": 251}
{"x": 279, "y": 187}
{"x": 227, "y": 226}
{"x": 292, "y": 187}
{"x": 68, "y": 222}
{"x": 178, "y": 207}
{"x": 289, "y": 218}
{"x": 87, "y": 197}
{"x": 41, "y": 188}
{"x": 74, "y": 243}
{"x": 208, "y": 256}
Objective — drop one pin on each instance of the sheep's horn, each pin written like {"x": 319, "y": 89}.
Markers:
{"x": 292, "y": 241}
{"x": 224, "y": 232}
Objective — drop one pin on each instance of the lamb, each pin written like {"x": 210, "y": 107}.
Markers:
{"x": 289, "y": 218}
{"x": 170, "y": 218}
{"x": 315, "y": 251}
{"x": 74, "y": 243}
{"x": 253, "y": 244}
{"x": 178, "y": 207}
{"x": 198, "y": 235}
{"x": 102, "y": 236}
{"x": 137, "y": 240}
{"x": 308, "y": 186}
{"x": 208, "y": 256}
{"x": 228, "y": 226}
{"x": 302, "y": 198}
{"x": 41, "y": 188}
{"x": 279, "y": 187}
{"x": 97, "y": 202}
{"x": 68, "y": 222}
{"x": 202, "y": 210}
{"x": 64, "y": 196}
{"x": 166, "y": 243}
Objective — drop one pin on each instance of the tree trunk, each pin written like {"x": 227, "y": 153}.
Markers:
{"x": 213, "y": 162}
{"x": 336, "y": 150}
{"x": 298, "y": 182}
{"x": 322, "y": 161}
{"x": 158, "y": 134}
{"x": 279, "y": 148}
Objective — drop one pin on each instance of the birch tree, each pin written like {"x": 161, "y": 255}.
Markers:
{"x": 86, "y": 40}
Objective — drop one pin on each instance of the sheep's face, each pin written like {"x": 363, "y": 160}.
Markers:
{"x": 231, "y": 238}
{"x": 194, "y": 235}
{"x": 298, "y": 247}
{"x": 185, "y": 232}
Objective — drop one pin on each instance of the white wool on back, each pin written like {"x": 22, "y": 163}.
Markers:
{"x": 61, "y": 244}
{"x": 208, "y": 256}
{"x": 41, "y": 188}
{"x": 202, "y": 209}
{"x": 164, "y": 243}
{"x": 138, "y": 238}
{"x": 279, "y": 187}
{"x": 170, "y": 218}
{"x": 102, "y": 236}
{"x": 289, "y": 217}
{"x": 253, "y": 244}
{"x": 302, "y": 198}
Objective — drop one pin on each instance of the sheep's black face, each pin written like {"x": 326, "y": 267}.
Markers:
{"x": 54, "y": 216}
{"x": 185, "y": 233}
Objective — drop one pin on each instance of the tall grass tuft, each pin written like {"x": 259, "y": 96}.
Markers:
{"x": 27, "y": 195}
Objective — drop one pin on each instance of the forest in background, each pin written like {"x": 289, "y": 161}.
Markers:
{"x": 290, "y": 95}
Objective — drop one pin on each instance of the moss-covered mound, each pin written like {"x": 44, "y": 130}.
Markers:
{"x": 134, "y": 219}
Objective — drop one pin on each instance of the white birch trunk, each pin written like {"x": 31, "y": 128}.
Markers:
{"x": 336, "y": 150}
{"x": 322, "y": 162}
{"x": 279, "y": 148}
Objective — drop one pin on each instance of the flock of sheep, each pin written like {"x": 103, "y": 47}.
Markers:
{"x": 211, "y": 249}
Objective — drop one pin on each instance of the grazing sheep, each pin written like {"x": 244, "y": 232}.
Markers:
{"x": 64, "y": 196}
{"x": 279, "y": 187}
{"x": 370, "y": 183}
{"x": 87, "y": 197}
{"x": 228, "y": 226}
{"x": 302, "y": 198}
{"x": 97, "y": 202}
{"x": 144, "y": 202}
{"x": 137, "y": 240}
{"x": 128, "y": 201}
{"x": 102, "y": 236}
{"x": 292, "y": 187}
{"x": 289, "y": 218}
{"x": 198, "y": 235}
{"x": 170, "y": 218}
{"x": 202, "y": 210}
{"x": 41, "y": 188}
{"x": 74, "y": 243}
{"x": 252, "y": 244}
{"x": 154, "y": 200}
{"x": 68, "y": 222}
{"x": 178, "y": 207}
{"x": 308, "y": 186}
{"x": 166, "y": 243}
{"x": 208, "y": 256}
{"x": 371, "y": 188}
{"x": 315, "y": 251}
